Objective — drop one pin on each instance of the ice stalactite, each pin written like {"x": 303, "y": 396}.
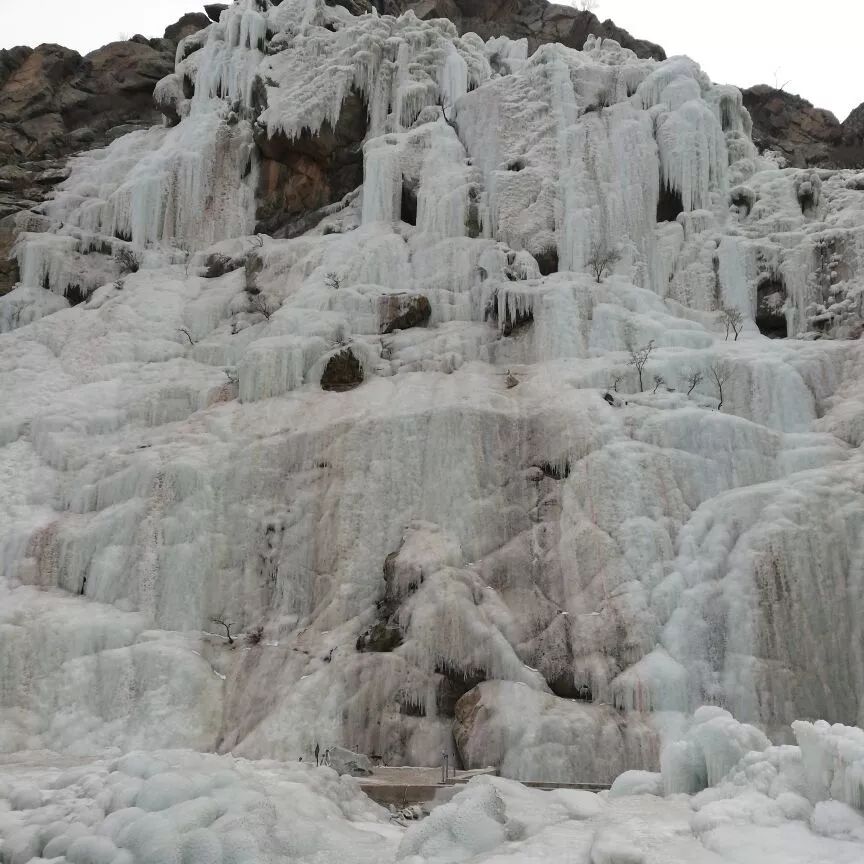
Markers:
{"x": 454, "y": 80}
{"x": 382, "y": 182}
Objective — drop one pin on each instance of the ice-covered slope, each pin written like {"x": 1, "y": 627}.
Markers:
{"x": 475, "y": 517}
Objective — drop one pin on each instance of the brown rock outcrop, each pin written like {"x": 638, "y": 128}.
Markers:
{"x": 299, "y": 177}
{"x": 805, "y": 135}
{"x": 401, "y": 311}
{"x": 783, "y": 121}
{"x": 342, "y": 372}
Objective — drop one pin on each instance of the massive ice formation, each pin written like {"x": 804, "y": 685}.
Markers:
{"x": 475, "y": 517}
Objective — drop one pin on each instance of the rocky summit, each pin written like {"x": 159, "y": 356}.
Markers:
{"x": 443, "y": 386}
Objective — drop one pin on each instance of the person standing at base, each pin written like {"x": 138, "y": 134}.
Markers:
{"x": 317, "y": 751}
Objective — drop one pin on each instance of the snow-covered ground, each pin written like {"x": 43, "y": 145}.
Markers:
{"x": 588, "y": 570}
{"x": 789, "y": 805}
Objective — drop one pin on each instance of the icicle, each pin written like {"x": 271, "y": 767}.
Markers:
{"x": 454, "y": 80}
{"x": 382, "y": 182}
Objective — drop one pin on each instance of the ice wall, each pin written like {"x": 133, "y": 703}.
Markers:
{"x": 499, "y": 513}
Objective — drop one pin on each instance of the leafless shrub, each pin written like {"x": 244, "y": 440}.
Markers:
{"x": 694, "y": 379}
{"x": 733, "y": 319}
{"x": 587, "y": 5}
{"x": 227, "y": 625}
{"x": 639, "y": 358}
{"x": 602, "y": 260}
{"x": 255, "y": 635}
{"x": 232, "y": 376}
{"x": 616, "y": 380}
{"x": 658, "y": 380}
{"x": 263, "y": 305}
{"x": 720, "y": 373}
{"x": 333, "y": 280}
{"x": 126, "y": 260}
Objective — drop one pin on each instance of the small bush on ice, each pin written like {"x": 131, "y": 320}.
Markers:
{"x": 602, "y": 260}
{"x": 639, "y": 359}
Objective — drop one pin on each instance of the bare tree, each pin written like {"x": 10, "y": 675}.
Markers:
{"x": 720, "y": 373}
{"x": 658, "y": 380}
{"x": 694, "y": 379}
{"x": 733, "y": 319}
{"x": 263, "y": 305}
{"x": 232, "y": 375}
{"x": 227, "y": 625}
{"x": 638, "y": 359}
{"x": 602, "y": 259}
{"x": 187, "y": 334}
{"x": 587, "y": 5}
{"x": 333, "y": 280}
{"x": 616, "y": 380}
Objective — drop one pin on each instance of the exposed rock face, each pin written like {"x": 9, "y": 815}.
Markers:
{"x": 54, "y": 102}
{"x": 214, "y": 10}
{"x": 401, "y": 311}
{"x": 343, "y": 372}
{"x": 805, "y": 135}
{"x": 381, "y": 638}
{"x": 786, "y": 122}
{"x": 190, "y": 23}
{"x": 299, "y": 177}
{"x": 853, "y": 126}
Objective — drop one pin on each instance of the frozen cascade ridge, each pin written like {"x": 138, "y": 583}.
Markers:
{"x": 325, "y": 357}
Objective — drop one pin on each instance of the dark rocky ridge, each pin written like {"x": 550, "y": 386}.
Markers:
{"x": 536, "y": 20}
{"x": 805, "y": 135}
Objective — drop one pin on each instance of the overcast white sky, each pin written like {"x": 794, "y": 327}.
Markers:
{"x": 815, "y": 46}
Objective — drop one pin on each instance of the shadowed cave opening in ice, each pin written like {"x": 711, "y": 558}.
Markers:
{"x": 547, "y": 261}
{"x": 770, "y": 301}
{"x": 669, "y": 203}
{"x": 408, "y": 206}
{"x": 514, "y": 320}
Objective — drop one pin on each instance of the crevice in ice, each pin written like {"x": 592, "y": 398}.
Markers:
{"x": 408, "y": 205}
{"x": 771, "y": 308}
{"x": 547, "y": 261}
{"x": 73, "y": 294}
{"x": 669, "y": 203}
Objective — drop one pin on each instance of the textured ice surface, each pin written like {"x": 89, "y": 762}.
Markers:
{"x": 167, "y": 455}
{"x": 175, "y": 805}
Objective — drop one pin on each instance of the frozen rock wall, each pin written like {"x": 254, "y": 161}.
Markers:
{"x": 481, "y": 509}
